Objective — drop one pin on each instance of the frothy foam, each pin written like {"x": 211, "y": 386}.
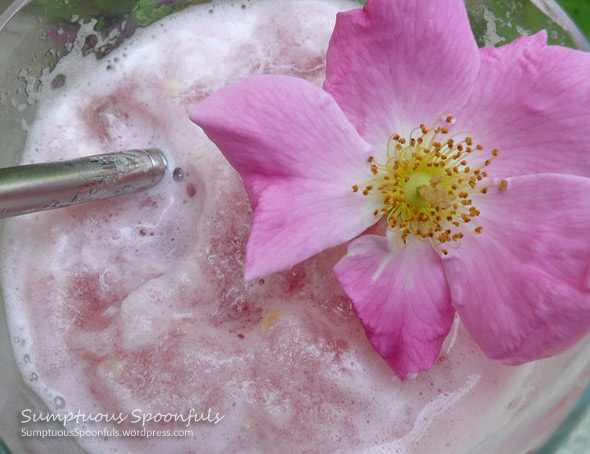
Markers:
{"x": 139, "y": 302}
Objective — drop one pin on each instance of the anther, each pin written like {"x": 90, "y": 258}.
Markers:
{"x": 425, "y": 184}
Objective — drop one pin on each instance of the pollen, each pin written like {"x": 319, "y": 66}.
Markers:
{"x": 427, "y": 182}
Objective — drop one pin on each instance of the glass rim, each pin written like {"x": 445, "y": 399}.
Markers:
{"x": 554, "y": 10}
{"x": 550, "y": 8}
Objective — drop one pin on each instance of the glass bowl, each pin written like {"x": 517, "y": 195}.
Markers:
{"x": 35, "y": 35}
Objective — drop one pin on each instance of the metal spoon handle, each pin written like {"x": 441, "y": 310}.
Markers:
{"x": 38, "y": 187}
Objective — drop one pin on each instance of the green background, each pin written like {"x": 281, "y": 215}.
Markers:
{"x": 579, "y": 10}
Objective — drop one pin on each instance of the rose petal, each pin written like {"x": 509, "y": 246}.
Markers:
{"x": 297, "y": 218}
{"x": 392, "y": 67}
{"x": 531, "y": 103}
{"x": 522, "y": 286}
{"x": 402, "y": 299}
{"x": 270, "y": 127}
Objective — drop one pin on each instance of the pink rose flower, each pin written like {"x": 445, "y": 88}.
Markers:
{"x": 476, "y": 161}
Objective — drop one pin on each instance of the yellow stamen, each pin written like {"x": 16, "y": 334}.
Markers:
{"x": 426, "y": 185}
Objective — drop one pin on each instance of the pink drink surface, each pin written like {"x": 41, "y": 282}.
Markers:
{"x": 139, "y": 302}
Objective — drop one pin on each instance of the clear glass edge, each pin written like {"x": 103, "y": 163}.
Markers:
{"x": 12, "y": 9}
{"x": 552, "y": 8}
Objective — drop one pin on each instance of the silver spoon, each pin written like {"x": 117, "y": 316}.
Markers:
{"x": 38, "y": 187}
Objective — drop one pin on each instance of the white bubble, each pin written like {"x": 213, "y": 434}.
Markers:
{"x": 60, "y": 402}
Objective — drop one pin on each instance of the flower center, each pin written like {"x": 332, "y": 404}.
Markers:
{"x": 426, "y": 184}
